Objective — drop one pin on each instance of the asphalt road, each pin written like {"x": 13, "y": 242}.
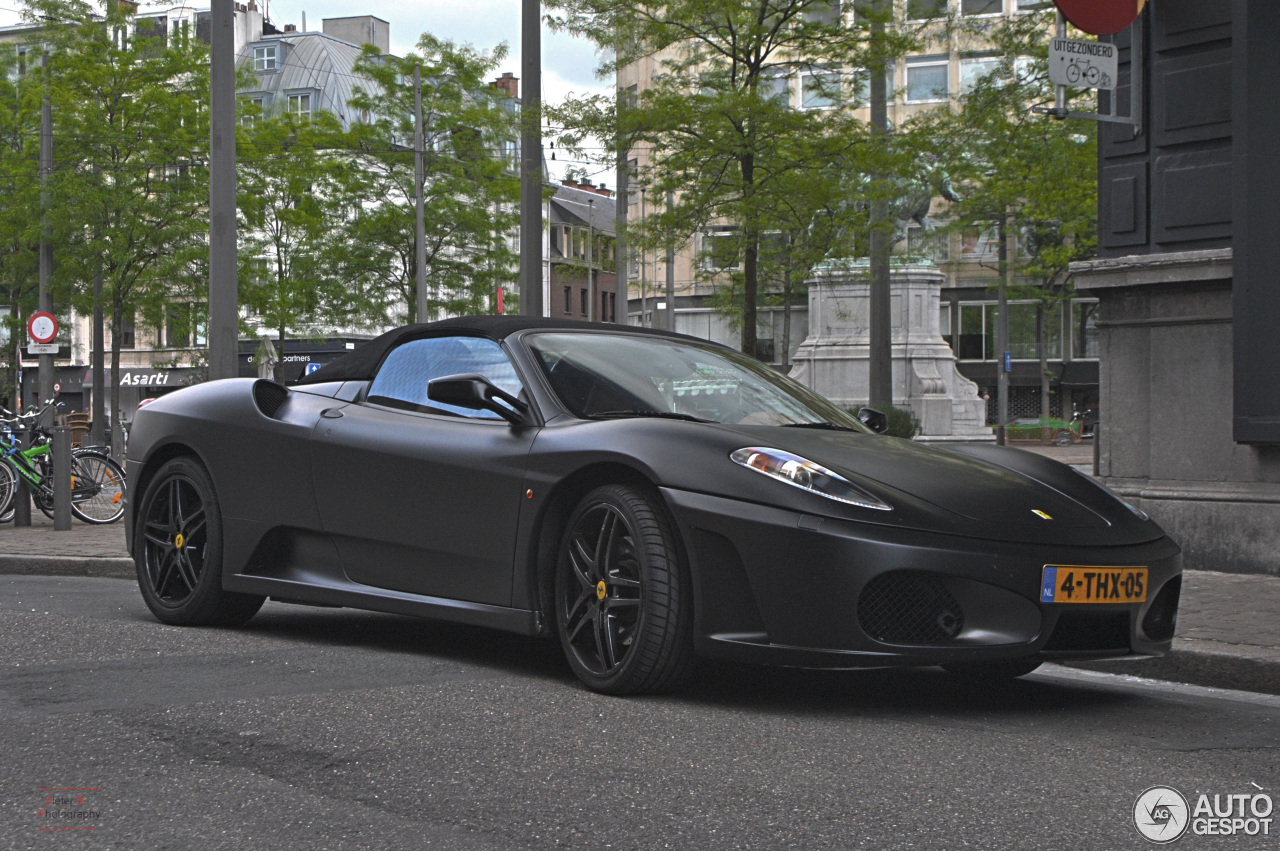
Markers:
{"x": 338, "y": 729}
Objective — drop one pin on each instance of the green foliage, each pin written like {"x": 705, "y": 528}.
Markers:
{"x": 902, "y": 422}
{"x": 724, "y": 144}
{"x": 1037, "y": 175}
{"x": 130, "y": 129}
{"x": 293, "y": 184}
{"x": 19, "y": 208}
{"x": 470, "y": 184}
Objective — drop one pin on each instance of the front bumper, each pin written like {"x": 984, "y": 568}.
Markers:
{"x": 779, "y": 587}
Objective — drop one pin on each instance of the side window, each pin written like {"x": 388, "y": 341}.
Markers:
{"x": 402, "y": 380}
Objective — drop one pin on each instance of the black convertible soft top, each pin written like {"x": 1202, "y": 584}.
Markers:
{"x": 361, "y": 364}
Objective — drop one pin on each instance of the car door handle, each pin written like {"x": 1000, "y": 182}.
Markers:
{"x": 331, "y": 413}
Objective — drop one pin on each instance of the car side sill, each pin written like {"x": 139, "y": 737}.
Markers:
{"x": 325, "y": 592}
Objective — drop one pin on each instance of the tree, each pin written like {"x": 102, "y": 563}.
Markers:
{"x": 724, "y": 139}
{"x": 470, "y": 186}
{"x": 1022, "y": 173}
{"x": 132, "y": 129}
{"x": 19, "y": 210}
{"x": 294, "y": 188}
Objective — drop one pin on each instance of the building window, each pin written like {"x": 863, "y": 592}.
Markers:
{"x": 582, "y": 298}
{"x": 819, "y": 88}
{"x": 300, "y": 105}
{"x": 979, "y": 331}
{"x": 252, "y": 110}
{"x": 825, "y": 12}
{"x": 720, "y": 249}
{"x": 1034, "y": 5}
{"x": 613, "y": 307}
{"x": 923, "y": 10}
{"x": 775, "y": 84}
{"x": 972, "y": 71}
{"x": 927, "y": 79}
{"x": 944, "y": 322}
{"x": 1084, "y": 328}
{"x": 186, "y": 324}
{"x": 981, "y": 7}
{"x": 979, "y": 244}
{"x": 568, "y": 300}
{"x": 264, "y": 58}
{"x": 127, "y": 332}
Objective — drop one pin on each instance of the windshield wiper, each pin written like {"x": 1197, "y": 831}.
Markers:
{"x": 819, "y": 425}
{"x": 668, "y": 415}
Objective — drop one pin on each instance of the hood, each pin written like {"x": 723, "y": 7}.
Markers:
{"x": 972, "y": 489}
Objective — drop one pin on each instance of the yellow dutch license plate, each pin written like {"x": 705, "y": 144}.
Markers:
{"x": 1074, "y": 583}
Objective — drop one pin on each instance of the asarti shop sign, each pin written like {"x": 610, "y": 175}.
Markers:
{"x": 145, "y": 377}
{"x": 1100, "y": 17}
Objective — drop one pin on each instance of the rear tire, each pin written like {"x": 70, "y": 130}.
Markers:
{"x": 624, "y": 608}
{"x": 178, "y": 551}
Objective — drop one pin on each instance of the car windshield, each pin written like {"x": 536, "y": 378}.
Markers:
{"x": 602, "y": 375}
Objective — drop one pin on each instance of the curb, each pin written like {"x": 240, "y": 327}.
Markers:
{"x": 1226, "y": 668}
{"x": 100, "y": 567}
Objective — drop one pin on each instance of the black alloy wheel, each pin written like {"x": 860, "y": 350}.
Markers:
{"x": 178, "y": 550}
{"x": 623, "y": 607}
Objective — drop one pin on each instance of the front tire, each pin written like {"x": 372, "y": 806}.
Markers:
{"x": 623, "y": 602}
{"x": 179, "y": 550}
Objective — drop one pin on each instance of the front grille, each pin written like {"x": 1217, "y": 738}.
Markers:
{"x": 1162, "y": 617}
{"x": 1087, "y": 631}
{"x": 905, "y": 607}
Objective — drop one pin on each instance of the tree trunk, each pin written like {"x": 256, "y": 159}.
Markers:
{"x": 1002, "y": 331}
{"x": 98, "y": 417}
{"x": 750, "y": 265}
{"x": 277, "y": 370}
{"x": 113, "y": 415}
{"x": 1042, "y": 351}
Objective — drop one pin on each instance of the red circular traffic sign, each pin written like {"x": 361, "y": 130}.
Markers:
{"x": 42, "y": 327}
{"x": 1100, "y": 17}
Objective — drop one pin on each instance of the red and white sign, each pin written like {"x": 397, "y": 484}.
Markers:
{"x": 1100, "y": 17}
{"x": 42, "y": 327}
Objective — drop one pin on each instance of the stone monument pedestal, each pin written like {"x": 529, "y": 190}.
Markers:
{"x": 835, "y": 358}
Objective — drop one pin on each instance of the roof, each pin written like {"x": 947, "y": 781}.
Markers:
{"x": 571, "y": 206}
{"x": 313, "y": 62}
{"x": 361, "y": 364}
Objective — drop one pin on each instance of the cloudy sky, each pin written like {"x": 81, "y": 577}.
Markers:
{"x": 568, "y": 64}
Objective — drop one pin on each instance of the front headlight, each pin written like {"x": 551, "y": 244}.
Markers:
{"x": 1137, "y": 512}
{"x": 806, "y": 475}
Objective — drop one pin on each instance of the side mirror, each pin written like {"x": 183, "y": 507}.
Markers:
{"x": 875, "y": 420}
{"x": 478, "y": 393}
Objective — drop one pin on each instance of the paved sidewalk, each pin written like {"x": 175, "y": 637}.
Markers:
{"x": 1228, "y": 624}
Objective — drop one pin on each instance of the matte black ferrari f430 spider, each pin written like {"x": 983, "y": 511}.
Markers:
{"x": 645, "y": 497}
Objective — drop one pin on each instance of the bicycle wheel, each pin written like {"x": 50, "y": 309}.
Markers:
{"x": 97, "y": 488}
{"x": 8, "y": 486}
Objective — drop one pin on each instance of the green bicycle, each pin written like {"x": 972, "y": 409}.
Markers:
{"x": 97, "y": 481}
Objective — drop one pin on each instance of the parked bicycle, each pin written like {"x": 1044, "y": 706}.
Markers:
{"x": 97, "y": 481}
